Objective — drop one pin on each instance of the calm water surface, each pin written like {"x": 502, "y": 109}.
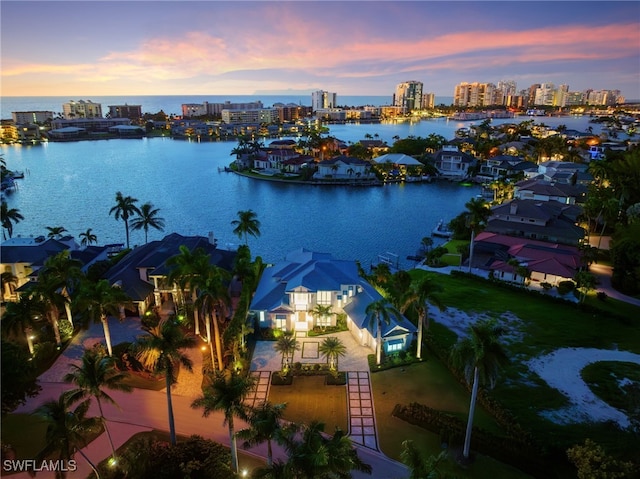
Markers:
{"x": 74, "y": 185}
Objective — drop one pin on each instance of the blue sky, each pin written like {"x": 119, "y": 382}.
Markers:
{"x": 83, "y": 48}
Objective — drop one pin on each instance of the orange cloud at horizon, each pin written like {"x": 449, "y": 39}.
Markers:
{"x": 157, "y": 62}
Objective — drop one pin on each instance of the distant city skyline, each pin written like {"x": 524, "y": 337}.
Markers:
{"x": 81, "y": 49}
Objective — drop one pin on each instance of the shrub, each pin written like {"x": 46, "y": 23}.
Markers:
{"x": 565, "y": 287}
{"x": 601, "y": 295}
{"x": 546, "y": 286}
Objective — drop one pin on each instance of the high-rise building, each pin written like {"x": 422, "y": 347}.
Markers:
{"x": 408, "y": 96}
{"x": 474, "y": 94}
{"x": 505, "y": 89}
{"x": 30, "y": 117}
{"x": 133, "y": 112}
{"x": 81, "y": 109}
{"x": 428, "y": 101}
{"x": 321, "y": 100}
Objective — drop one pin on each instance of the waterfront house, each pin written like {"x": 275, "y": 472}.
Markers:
{"x": 290, "y": 290}
{"x": 344, "y": 167}
{"x": 546, "y": 262}
{"x": 453, "y": 164}
{"x": 22, "y": 258}
{"x": 142, "y": 273}
{"x": 541, "y": 220}
{"x": 543, "y": 190}
{"x": 506, "y": 165}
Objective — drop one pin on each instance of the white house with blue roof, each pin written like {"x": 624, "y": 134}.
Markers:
{"x": 289, "y": 291}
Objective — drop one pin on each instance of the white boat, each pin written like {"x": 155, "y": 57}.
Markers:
{"x": 441, "y": 230}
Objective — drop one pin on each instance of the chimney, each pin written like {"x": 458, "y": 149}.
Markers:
{"x": 513, "y": 207}
{"x": 212, "y": 239}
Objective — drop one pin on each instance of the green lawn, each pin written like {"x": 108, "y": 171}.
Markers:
{"x": 429, "y": 383}
{"x": 308, "y": 399}
{"x": 25, "y": 433}
{"x": 546, "y": 325}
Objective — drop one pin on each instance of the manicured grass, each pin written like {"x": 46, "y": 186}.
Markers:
{"x": 309, "y": 399}
{"x": 605, "y": 379}
{"x": 429, "y": 383}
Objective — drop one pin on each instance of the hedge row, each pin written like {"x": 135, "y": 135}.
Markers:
{"x": 514, "y": 450}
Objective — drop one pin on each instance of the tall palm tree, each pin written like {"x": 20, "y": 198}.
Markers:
{"x": 65, "y": 271}
{"x": 9, "y": 217}
{"x": 124, "y": 208}
{"x": 378, "y": 312}
{"x": 478, "y": 213}
{"x": 187, "y": 268}
{"x": 264, "y": 426}
{"x": 332, "y": 348}
{"x": 421, "y": 292}
{"x": 286, "y": 345}
{"x": 213, "y": 298}
{"x": 479, "y": 355}
{"x": 55, "y": 232}
{"x": 88, "y": 237}
{"x": 147, "y": 218}
{"x": 102, "y": 300}
{"x": 66, "y": 432}
{"x": 227, "y": 392}
{"x": 161, "y": 349}
{"x": 47, "y": 290}
{"x": 21, "y": 316}
{"x": 246, "y": 224}
{"x": 92, "y": 376}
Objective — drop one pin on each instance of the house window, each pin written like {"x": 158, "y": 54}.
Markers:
{"x": 350, "y": 291}
{"x": 323, "y": 297}
{"x": 323, "y": 320}
{"x": 281, "y": 322}
{"x": 394, "y": 345}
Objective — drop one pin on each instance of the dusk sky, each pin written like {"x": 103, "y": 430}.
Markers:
{"x": 84, "y": 48}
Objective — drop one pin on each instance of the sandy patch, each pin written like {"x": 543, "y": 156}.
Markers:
{"x": 459, "y": 321}
{"x": 561, "y": 370}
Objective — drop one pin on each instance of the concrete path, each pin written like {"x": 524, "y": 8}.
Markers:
{"x": 361, "y": 411}
{"x": 603, "y": 274}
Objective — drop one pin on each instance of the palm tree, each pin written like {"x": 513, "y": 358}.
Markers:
{"x": 187, "y": 268}
{"x": 102, "y": 300}
{"x": 478, "y": 213}
{"x": 213, "y": 298}
{"x": 312, "y": 454}
{"x": 286, "y": 345}
{"x": 420, "y": 466}
{"x": 585, "y": 281}
{"x": 322, "y": 311}
{"x": 9, "y": 217}
{"x": 21, "y": 315}
{"x": 47, "y": 290}
{"x": 161, "y": 349}
{"x": 125, "y": 208}
{"x": 332, "y": 348}
{"x": 147, "y": 218}
{"x": 66, "y": 272}
{"x": 88, "y": 237}
{"x": 66, "y": 431}
{"x": 227, "y": 393}
{"x": 246, "y": 224}
{"x": 55, "y": 232}
{"x": 380, "y": 311}
{"x": 479, "y": 355}
{"x": 264, "y": 426}
{"x": 95, "y": 373}
{"x": 422, "y": 291}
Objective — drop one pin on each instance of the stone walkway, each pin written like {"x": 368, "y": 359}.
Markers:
{"x": 362, "y": 424}
{"x": 261, "y": 392}
{"x": 360, "y": 407}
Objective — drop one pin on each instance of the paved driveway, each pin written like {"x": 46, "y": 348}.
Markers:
{"x": 265, "y": 358}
